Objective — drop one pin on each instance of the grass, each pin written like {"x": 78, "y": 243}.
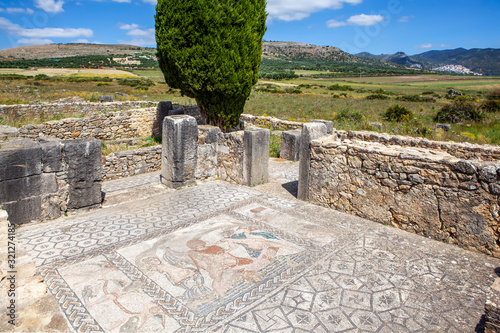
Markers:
{"x": 315, "y": 100}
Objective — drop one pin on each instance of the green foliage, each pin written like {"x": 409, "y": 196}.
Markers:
{"x": 398, "y": 113}
{"x": 279, "y": 75}
{"x": 494, "y": 94}
{"x": 458, "y": 111}
{"x": 348, "y": 115}
{"x": 377, "y": 96}
{"x": 339, "y": 87}
{"x": 42, "y": 77}
{"x": 415, "y": 98}
{"x": 11, "y": 77}
{"x": 211, "y": 51}
{"x": 275, "y": 145}
{"x": 490, "y": 106}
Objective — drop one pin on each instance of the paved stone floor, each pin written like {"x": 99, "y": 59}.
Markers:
{"x": 227, "y": 258}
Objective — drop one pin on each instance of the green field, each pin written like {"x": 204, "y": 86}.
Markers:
{"x": 301, "y": 99}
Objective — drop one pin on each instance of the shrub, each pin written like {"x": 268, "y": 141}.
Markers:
{"x": 415, "y": 98}
{"x": 490, "y": 106}
{"x": 348, "y": 115}
{"x": 339, "y": 87}
{"x": 398, "y": 113}
{"x": 494, "y": 94}
{"x": 428, "y": 93}
{"x": 377, "y": 96}
{"x": 457, "y": 112}
{"x": 42, "y": 77}
{"x": 211, "y": 51}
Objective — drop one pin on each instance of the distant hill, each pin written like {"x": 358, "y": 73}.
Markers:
{"x": 299, "y": 51}
{"x": 482, "y": 61}
{"x": 69, "y": 50}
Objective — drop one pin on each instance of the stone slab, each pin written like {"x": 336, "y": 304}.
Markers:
{"x": 20, "y": 158}
{"x": 290, "y": 145}
{"x": 17, "y": 189}
{"x": 51, "y": 155}
{"x": 24, "y": 210}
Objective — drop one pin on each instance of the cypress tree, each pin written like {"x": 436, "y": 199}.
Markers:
{"x": 211, "y": 51}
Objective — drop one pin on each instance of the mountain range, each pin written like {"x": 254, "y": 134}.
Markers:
{"x": 481, "y": 61}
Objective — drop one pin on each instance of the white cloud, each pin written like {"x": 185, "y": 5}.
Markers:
{"x": 148, "y": 33}
{"x": 18, "y": 11}
{"x": 123, "y": 1}
{"x": 34, "y": 41}
{"x": 365, "y": 20}
{"x": 81, "y": 40}
{"x": 335, "y": 24}
{"x": 2, "y": 10}
{"x": 359, "y": 20}
{"x": 141, "y": 37}
{"x": 50, "y": 6}
{"x": 430, "y": 45}
{"x": 38, "y": 33}
{"x": 129, "y": 26}
{"x": 296, "y": 10}
{"x": 151, "y": 2}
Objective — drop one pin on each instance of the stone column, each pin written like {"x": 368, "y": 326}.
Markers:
{"x": 162, "y": 110}
{"x": 84, "y": 167}
{"x": 310, "y": 131}
{"x": 290, "y": 145}
{"x": 179, "y": 151}
{"x": 256, "y": 156}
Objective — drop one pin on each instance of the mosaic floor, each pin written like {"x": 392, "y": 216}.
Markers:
{"x": 226, "y": 258}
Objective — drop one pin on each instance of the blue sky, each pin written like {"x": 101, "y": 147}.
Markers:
{"x": 375, "y": 26}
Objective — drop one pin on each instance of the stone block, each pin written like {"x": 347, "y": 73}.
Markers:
{"x": 107, "y": 98}
{"x": 310, "y": 131}
{"x": 84, "y": 197}
{"x": 256, "y": 156}
{"x": 24, "y": 211}
{"x": 208, "y": 134}
{"x": 8, "y": 133}
{"x": 51, "y": 155}
{"x": 20, "y": 188}
{"x": 48, "y": 183}
{"x": 328, "y": 124}
{"x": 179, "y": 151}
{"x": 20, "y": 158}
{"x": 488, "y": 174}
{"x": 290, "y": 145}
{"x": 83, "y": 160}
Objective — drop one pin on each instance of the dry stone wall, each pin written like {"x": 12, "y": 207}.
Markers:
{"x": 428, "y": 192}
{"x": 83, "y": 109}
{"x": 457, "y": 149}
{"x": 107, "y": 126}
{"x": 127, "y": 163}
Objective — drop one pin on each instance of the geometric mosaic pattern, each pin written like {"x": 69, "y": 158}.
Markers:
{"x": 225, "y": 258}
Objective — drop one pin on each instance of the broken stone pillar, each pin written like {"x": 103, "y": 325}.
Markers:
{"x": 310, "y": 131}
{"x": 256, "y": 156}
{"x": 84, "y": 167}
{"x": 179, "y": 151}
{"x": 290, "y": 145}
